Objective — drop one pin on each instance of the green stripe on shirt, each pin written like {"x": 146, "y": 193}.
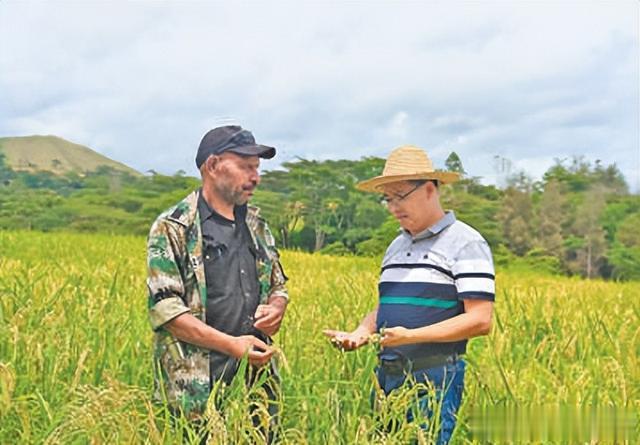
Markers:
{"x": 417, "y": 301}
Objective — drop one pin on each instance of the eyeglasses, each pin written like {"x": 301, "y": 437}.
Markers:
{"x": 386, "y": 200}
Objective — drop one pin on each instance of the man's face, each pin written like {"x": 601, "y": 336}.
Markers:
{"x": 235, "y": 177}
{"x": 407, "y": 202}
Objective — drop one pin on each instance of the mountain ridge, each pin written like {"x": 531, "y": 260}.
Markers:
{"x": 56, "y": 155}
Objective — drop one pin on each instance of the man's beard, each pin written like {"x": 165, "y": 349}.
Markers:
{"x": 231, "y": 195}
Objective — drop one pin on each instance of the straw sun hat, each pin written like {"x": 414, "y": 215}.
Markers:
{"x": 406, "y": 163}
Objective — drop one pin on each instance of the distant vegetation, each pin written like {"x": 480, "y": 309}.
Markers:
{"x": 579, "y": 219}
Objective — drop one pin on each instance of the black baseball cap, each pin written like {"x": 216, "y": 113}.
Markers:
{"x": 231, "y": 138}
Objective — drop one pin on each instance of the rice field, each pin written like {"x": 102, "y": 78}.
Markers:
{"x": 75, "y": 351}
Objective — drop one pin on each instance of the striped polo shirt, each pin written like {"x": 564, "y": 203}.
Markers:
{"x": 426, "y": 277}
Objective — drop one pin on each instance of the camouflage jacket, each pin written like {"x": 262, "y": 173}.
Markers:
{"x": 176, "y": 285}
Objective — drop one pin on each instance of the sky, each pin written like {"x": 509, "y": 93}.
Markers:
{"x": 509, "y": 86}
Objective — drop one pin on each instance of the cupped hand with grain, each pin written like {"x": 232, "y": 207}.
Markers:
{"x": 349, "y": 341}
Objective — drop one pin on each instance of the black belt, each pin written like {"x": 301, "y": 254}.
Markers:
{"x": 404, "y": 365}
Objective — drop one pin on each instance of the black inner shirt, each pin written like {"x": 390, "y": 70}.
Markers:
{"x": 233, "y": 290}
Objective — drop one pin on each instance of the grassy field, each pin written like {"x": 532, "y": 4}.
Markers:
{"x": 75, "y": 358}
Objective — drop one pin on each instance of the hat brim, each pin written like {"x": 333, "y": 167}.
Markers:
{"x": 262, "y": 151}
{"x": 374, "y": 185}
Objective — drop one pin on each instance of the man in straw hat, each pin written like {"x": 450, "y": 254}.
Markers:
{"x": 436, "y": 289}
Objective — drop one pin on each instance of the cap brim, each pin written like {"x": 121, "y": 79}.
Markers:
{"x": 262, "y": 151}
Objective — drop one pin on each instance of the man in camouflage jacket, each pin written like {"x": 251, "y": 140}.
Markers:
{"x": 228, "y": 159}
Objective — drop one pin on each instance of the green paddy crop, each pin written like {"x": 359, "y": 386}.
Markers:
{"x": 75, "y": 349}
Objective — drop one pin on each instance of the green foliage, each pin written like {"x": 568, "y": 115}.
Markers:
{"x": 618, "y": 208}
{"x": 578, "y": 220}
{"x": 380, "y": 239}
{"x": 337, "y": 249}
{"x": 516, "y": 218}
{"x": 541, "y": 262}
{"x": 535, "y": 260}
{"x": 588, "y": 257}
{"x": 319, "y": 198}
{"x": 304, "y": 239}
{"x": 624, "y": 255}
{"x": 475, "y": 210}
{"x": 625, "y": 262}
{"x": 628, "y": 233}
{"x": 6, "y": 174}
{"x": 579, "y": 175}
{"x": 106, "y": 201}
{"x": 453, "y": 163}
{"x": 551, "y": 217}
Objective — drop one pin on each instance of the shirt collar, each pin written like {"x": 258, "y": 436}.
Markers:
{"x": 444, "y": 222}
{"x": 206, "y": 211}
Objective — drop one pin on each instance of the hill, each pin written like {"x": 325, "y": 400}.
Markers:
{"x": 54, "y": 154}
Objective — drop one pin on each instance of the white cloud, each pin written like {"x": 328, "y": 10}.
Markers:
{"x": 142, "y": 82}
{"x": 397, "y": 128}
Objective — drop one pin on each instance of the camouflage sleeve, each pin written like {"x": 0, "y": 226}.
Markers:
{"x": 278, "y": 278}
{"x": 164, "y": 281}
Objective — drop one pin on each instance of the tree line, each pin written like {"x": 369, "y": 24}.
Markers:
{"x": 580, "y": 219}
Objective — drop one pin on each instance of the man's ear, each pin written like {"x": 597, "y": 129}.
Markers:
{"x": 431, "y": 189}
{"x": 211, "y": 163}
